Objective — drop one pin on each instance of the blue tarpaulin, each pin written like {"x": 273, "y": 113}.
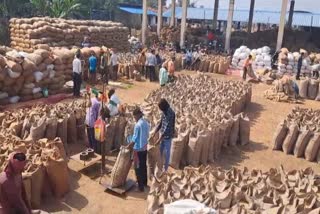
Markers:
{"x": 135, "y": 10}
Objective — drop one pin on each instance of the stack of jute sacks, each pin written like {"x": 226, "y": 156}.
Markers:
{"x": 29, "y": 34}
{"x": 310, "y": 89}
{"x": 288, "y": 62}
{"x": 208, "y": 117}
{"x": 299, "y": 134}
{"x": 213, "y": 64}
{"x": 238, "y": 191}
{"x": 42, "y": 133}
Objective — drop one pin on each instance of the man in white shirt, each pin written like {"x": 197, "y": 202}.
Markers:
{"x": 114, "y": 64}
{"x": 151, "y": 66}
{"x": 77, "y": 70}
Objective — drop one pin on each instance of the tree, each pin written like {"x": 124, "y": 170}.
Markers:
{"x": 63, "y": 8}
{"x": 41, "y": 6}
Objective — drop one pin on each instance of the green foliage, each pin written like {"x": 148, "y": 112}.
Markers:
{"x": 63, "y": 8}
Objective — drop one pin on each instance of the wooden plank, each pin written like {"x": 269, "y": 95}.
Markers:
{"x": 87, "y": 163}
{"x": 121, "y": 190}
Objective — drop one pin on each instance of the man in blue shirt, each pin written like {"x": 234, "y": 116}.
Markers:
{"x": 93, "y": 68}
{"x": 167, "y": 129}
{"x": 139, "y": 142}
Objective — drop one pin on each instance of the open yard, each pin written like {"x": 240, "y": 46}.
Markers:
{"x": 87, "y": 196}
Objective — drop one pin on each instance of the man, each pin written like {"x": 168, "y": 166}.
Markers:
{"x": 104, "y": 60}
{"x": 151, "y": 66}
{"x": 171, "y": 69}
{"x": 12, "y": 193}
{"x": 85, "y": 43}
{"x": 142, "y": 62}
{"x": 114, "y": 64}
{"x": 91, "y": 117}
{"x": 139, "y": 143}
{"x": 93, "y": 68}
{"x": 246, "y": 67}
{"x": 166, "y": 128}
{"x": 163, "y": 75}
{"x": 299, "y": 66}
{"x": 76, "y": 75}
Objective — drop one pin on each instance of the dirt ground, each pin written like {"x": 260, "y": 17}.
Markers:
{"x": 88, "y": 196}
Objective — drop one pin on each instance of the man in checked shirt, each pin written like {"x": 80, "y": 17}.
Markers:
{"x": 167, "y": 129}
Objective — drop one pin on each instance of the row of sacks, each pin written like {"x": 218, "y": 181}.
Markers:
{"x": 27, "y": 34}
{"x": 212, "y": 64}
{"x": 310, "y": 89}
{"x": 46, "y": 173}
{"x": 288, "y": 62}
{"x": 206, "y": 117}
{"x": 282, "y": 90}
{"x": 238, "y": 191}
{"x": 299, "y": 134}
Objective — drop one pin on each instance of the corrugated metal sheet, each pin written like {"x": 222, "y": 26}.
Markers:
{"x": 136, "y": 10}
{"x": 264, "y": 17}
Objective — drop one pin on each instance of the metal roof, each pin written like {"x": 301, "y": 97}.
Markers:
{"x": 135, "y": 10}
{"x": 260, "y": 16}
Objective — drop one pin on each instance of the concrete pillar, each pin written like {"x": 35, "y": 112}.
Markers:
{"x": 144, "y": 22}
{"x": 251, "y": 16}
{"x": 219, "y": 26}
{"x": 291, "y": 13}
{"x": 282, "y": 23}
{"x": 183, "y": 22}
{"x": 229, "y": 25}
{"x": 159, "y": 24}
{"x": 173, "y": 13}
{"x": 215, "y": 14}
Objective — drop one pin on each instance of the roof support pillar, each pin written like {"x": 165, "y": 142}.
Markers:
{"x": 173, "y": 13}
{"x": 144, "y": 22}
{"x": 229, "y": 25}
{"x": 183, "y": 22}
{"x": 159, "y": 24}
{"x": 251, "y": 16}
{"x": 282, "y": 23}
{"x": 291, "y": 13}
{"x": 215, "y": 14}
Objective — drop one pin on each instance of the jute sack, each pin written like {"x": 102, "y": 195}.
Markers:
{"x": 51, "y": 130}
{"x": 110, "y": 132}
{"x": 72, "y": 128}
{"x": 318, "y": 95}
{"x": 313, "y": 88}
{"x": 204, "y": 138}
{"x": 119, "y": 135}
{"x": 211, "y": 155}
{"x": 291, "y": 138}
{"x": 36, "y": 186}
{"x": 58, "y": 175}
{"x": 62, "y": 130}
{"x": 302, "y": 142}
{"x": 313, "y": 148}
{"x": 27, "y": 186}
{"x": 81, "y": 128}
{"x": 234, "y": 133}
{"x": 194, "y": 148}
{"x": 244, "y": 130}
{"x": 280, "y": 135}
{"x": 37, "y": 130}
{"x": 154, "y": 160}
{"x": 121, "y": 168}
{"x": 227, "y": 131}
{"x": 177, "y": 148}
{"x": 303, "y": 89}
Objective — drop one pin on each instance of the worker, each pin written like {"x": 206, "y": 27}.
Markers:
{"x": 85, "y": 43}
{"x": 315, "y": 70}
{"x": 166, "y": 127}
{"x": 104, "y": 61}
{"x": 299, "y": 66}
{"x": 139, "y": 142}
{"x": 163, "y": 75}
{"x": 114, "y": 63}
{"x": 142, "y": 62}
{"x": 171, "y": 69}
{"x": 93, "y": 68}
{"x": 246, "y": 67}
{"x": 76, "y": 75}
{"x": 114, "y": 103}
{"x": 13, "y": 197}
{"x": 91, "y": 117}
{"x": 151, "y": 66}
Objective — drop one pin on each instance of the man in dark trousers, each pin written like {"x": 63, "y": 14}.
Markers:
{"x": 139, "y": 142}
{"x": 299, "y": 66}
{"x": 76, "y": 75}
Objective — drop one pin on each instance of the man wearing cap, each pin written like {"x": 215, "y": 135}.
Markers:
{"x": 139, "y": 143}
{"x": 12, "y": 193}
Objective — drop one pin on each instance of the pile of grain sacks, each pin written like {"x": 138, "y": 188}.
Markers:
{"x": 288, "y": 63}
{"x": 299, "y": 134}
{"x": 208, "y": 117}
{"x": 261, "y": 58}
{"x": 212, "y": 64}
{"x": 29, "y": 34}
{"x": 238, "y": 191}
{"x": 310, "y": 89}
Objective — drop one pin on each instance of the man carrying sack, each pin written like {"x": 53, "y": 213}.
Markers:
{"x": 139, "y": 142}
